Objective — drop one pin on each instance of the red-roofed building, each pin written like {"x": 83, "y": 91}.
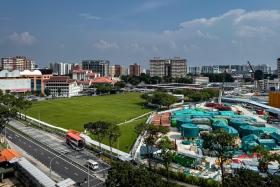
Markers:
{"x": 62, "y": 86}
{"x": 103, "y": 80}
{"x": 80, "y": 74}
{"x": 8, "y": 154}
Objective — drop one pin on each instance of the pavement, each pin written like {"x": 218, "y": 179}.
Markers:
{"x": 58, "y": 144}
{"x": 60, "y": 165}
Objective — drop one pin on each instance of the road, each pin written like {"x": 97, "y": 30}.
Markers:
{"x": 61, "y": 166}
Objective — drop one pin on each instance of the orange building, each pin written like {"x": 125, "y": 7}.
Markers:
{"x": 274, "y": 99}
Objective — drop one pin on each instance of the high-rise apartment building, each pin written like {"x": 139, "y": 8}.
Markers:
{"x": 134, "y": 69}
{"x": 60, "y": 68}
{"x": 278, "y": 67}
{"x": 264, "y": 68}
{"x": 112, "y": 71}
{"x": 174, "y": 67}
{"x": 20, "y": 63}
{"x": 97, "y": 66}
{"x": 118, "y": 70}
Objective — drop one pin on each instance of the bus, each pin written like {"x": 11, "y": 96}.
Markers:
{"x": 74, "y": 140}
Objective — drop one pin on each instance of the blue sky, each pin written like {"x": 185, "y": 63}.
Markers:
{"x": 203, "y": 31}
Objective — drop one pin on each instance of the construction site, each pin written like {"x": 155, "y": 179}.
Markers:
{"x": 249, "y": 115}
{"x": 187, "y": 124}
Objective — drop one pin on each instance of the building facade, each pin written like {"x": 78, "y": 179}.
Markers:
{"x": 62, "y": 86}
{"x": 97, "y": 66}
{"x": 196, "y": 70}
{"x": 17, "y": 63}
{"x": 112, "y": 71}
{"x": 10, "y": 81}
{"x": 134, "y": 69}
{"x": 206, "y": 69}
{"x": 59, "y": 68}
{"x": 37, "y": 80}
{"x": 175, "y": 67}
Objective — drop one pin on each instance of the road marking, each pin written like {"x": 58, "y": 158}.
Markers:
{"x": 42, "y": 153}
{"x": 49, "y": 157}
{"x": 75, "y": 173}
{"x": 66, "y": 167}
{"x": 84, "y": 171}
{"x": 57, "y": 162}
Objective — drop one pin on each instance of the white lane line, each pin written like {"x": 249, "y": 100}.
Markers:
{"x": 76, "y": 174}
{"x": 66, "y": 168}
{"x": 57, "y": 162}
{"x": 84, "y": 171}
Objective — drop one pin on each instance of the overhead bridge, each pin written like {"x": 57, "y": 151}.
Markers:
{"x": 253, "y": 103}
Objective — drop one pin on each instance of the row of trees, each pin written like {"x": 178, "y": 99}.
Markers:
{"x": 161, "y": 99}
{"x": 221, "y": 77}
{"x": 147, "y": 79}
{"x": 126, "y": 174}
{"x": 9, "y": 106}
{"x": 198, "y": 95}
{"x": 102, "y": 130}
{"x": 166, "y": 146}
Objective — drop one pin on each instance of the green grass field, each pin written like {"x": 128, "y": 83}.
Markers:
{"x": 74, "y": 112}
{"x": 128, "y": 135}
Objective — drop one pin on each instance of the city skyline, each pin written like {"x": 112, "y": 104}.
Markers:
{"x": 130, "y": 32}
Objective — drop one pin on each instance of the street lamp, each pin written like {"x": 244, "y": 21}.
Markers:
{"x": 56, "y": 156}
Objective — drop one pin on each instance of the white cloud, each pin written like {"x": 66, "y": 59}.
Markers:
{"x": 89, "y": 16}
{"x": 24, "y": 38}
{"x": 102, "y": 44}
{"x": 250, "y": 31}
{"x": 262, "y": 15}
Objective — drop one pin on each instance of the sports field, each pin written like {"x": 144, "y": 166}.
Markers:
{"x": 73, "y": 113}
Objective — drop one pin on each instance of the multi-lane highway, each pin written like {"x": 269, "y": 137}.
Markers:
{"x": 60, "y": 165}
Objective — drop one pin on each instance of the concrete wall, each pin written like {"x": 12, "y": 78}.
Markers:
{"x": 15, "y": 84}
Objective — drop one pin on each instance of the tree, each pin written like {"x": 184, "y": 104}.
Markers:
{"x": 167, "y": 153}
{"x": 126, "y": 174}
{"x": 120, "y": 84}
{"x": 258, "y": 75}
{"x": 221, "y": 144}
{"x": 150, "y": 139}
{"x": 23, "y": 105}
{"x": 47, "y": 92}
{"x": 265, "y": 157}
{"x": 246, "y": 178}
{"x": 160, "y": 99}
{"x": 140, "y": 128}
{"x": 9, "y": 106}
{"x": 99, "y": 129}
{"x": 113, "y": 133}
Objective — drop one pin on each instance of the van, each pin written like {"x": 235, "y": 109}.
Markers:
{"x": 92, "y": 164}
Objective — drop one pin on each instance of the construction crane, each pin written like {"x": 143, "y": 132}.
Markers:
{"x": 221, "y": 90}
{"x": 259, "y": 88}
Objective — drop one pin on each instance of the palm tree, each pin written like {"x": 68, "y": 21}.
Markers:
{"x": 167, "y": 153}
{"x": 113, "y": 133}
